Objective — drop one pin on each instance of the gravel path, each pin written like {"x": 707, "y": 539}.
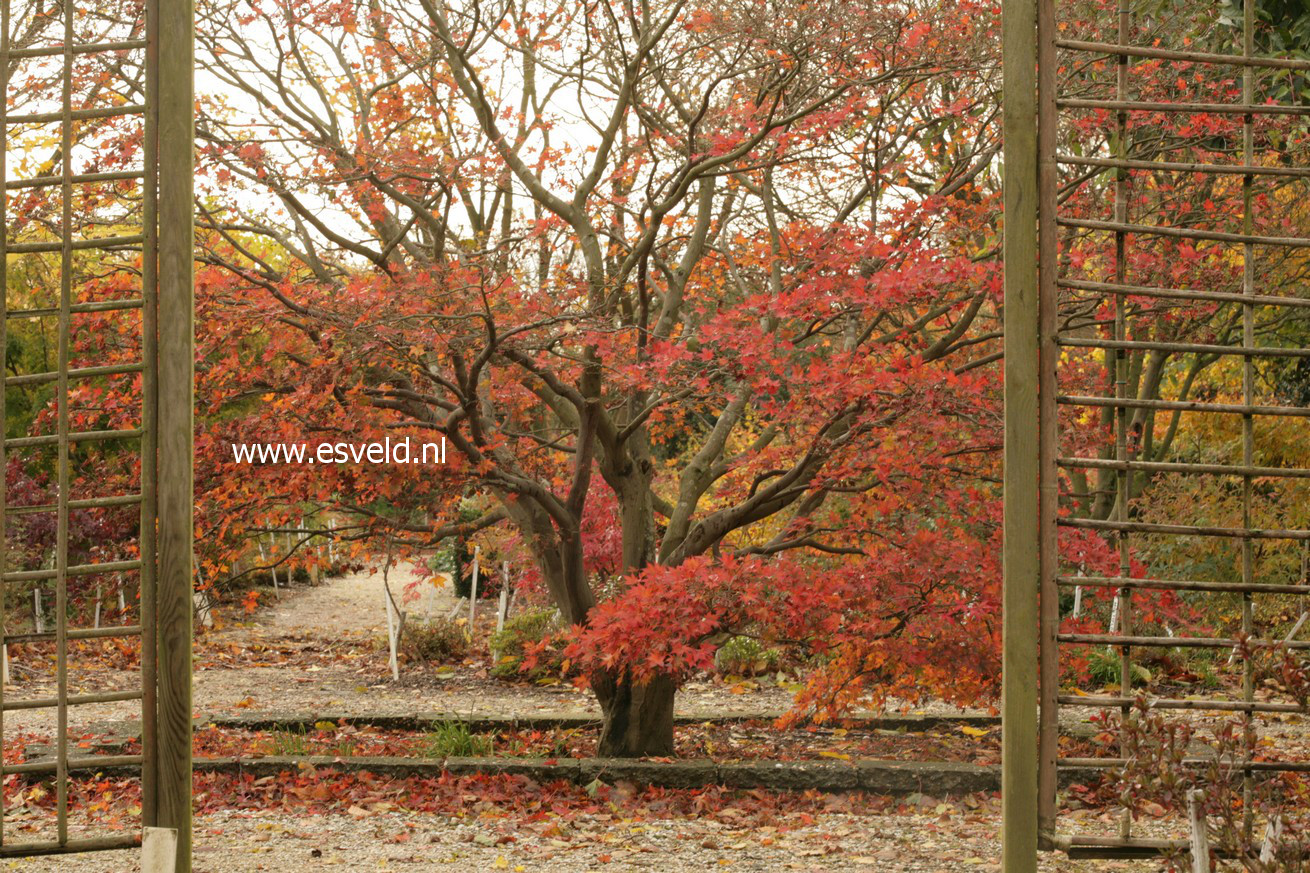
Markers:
{"x": 349, "y": 606}
{"x": 919, "y": 843}
{"x": 315, "y": 650}
{"x": 322, "y": 649}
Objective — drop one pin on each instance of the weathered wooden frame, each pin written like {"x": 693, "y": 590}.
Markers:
{"x": 165, "y": 498}
{"x": 1033, "y": 573}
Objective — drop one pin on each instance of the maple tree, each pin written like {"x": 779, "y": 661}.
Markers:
{"x": 695, "y": 294}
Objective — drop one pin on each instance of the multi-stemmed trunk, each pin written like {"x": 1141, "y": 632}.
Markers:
{"x": 638, "y": 717}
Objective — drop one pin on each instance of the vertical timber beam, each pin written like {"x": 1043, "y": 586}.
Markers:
{"x": 1022, "y": 433}
{"x": 1048, "y": 416}
{"x": 1118, "y": 361}
{"x": 1248, "y": 420}
{"x": 147, "y": 591}
{"x": 176, "y": 359}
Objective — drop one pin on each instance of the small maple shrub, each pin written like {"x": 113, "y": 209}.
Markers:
{"x": 435, "y": 641}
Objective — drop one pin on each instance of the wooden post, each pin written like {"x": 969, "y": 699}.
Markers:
{"x": 1021, "y": 551}
{"x": 159, "y": 850}
{"x": 1048, "y": 413}
{"x": 1273, "y": 833}
{"x": 175, "y": 393}
{"x": 393, "y": 634}
{"x": 473, "y": 590}
{"x": 270, "y": 559}
{"x": 1200, "y": 838}
{"x": 395, "y": 617}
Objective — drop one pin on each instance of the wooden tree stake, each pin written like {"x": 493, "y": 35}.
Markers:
{"x": 473, "y": 590}
{"x": 1200, "y": 838}
{"x": 159, "y": 850}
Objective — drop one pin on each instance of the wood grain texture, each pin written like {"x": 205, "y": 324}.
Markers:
{"x": 1020, "y": 601}
{"x": 175, "y": 433}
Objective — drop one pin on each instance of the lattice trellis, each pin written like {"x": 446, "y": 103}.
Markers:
{"x": 83, "y": 243}
{"x": 1066, "y": 314}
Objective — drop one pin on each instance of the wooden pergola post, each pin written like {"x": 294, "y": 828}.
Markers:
{"x": 176, "y": 359}
{"x": 1021, "y": 518}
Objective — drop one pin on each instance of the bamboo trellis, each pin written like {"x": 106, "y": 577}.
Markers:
{"x": 154, "y": 42}
{"x": 1039, "y": 286}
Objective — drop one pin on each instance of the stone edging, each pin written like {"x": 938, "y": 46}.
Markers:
{"x": 875, "y": 776}
{"x": 482, "y": 722}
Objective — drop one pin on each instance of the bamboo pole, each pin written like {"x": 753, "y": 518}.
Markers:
{"x": 79, "y": 49}
{"x": 1118, "y": 365}
{"x": 147, "y": 589}
{"x": 79, "y": 633}
{"x": 1205, "y": 108}
{"x": 503, "y": 611}
{"x": 72, "y": 570}
{"x": 1262, "y": 766}
{"x": 79, "y": 115}
{"x": 1177, "y": 584}
{"x": 72, "y": 700}
{"x": 90, "y": 436}
{"x": 1134, "y": 51}
{"x": 52, "y": 181}
{"x": 1186, "y": 529}
{"x": 1127, "y": 640}
{"x": 1185, "y": 406}
{"x": 74, "y": 373}
{"x": 91, "y": 762}
{"x": 1083, "y": 342}
{"x": 1048, "y": 726}
{"x": 70, "y": 847}
{"x": 1104, "y": 702}
{"x": 1200, "y": 469}
{"x": 1183, "y": 294}
{"x": 1182, "y": 167}
{"x": 5, "y": 55}
{"x": 62, "y": 437}
{"x": 1200, "y": 847}
{"x": 89, "y": 503}
{"x": 1121, "y": 226}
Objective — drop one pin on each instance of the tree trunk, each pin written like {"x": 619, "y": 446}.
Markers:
{"x": 638, "y": 718}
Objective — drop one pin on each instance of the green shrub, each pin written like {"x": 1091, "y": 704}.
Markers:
{"x": 454, "y": 739}
{"x": 437, "y": 641}
{"x": 520, "y": 631}
{"x": 1104, "y": 668}
{"x": 746, "y": 656}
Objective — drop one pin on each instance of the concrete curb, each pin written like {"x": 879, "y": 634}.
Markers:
{"x": 876, "y": 776}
